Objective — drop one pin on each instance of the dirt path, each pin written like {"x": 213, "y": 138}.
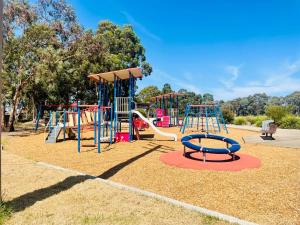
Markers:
{"x": 42, "y": 195}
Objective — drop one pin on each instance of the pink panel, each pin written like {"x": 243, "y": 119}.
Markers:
{"x": 122, "y": 136}
{"x": 165, "y": 121}
{"x": 160, "y": 113}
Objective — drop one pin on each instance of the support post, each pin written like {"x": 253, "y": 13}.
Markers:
{"x": 78, "y": 126}
{"x": 111, "y": 119}
{"x": 170, "y": 122}
{"x": 99, "y": 124}
{"x": 206, "y": 116}
{"x": 38, "y": 118}
{"x": 95, "y": 126}
{"x": 177, "y": 113}
{"x": 129, "y": 107}
{"x": 115, "y": 105}
{"x": 50, "y": 120}
{"x": 56, "y": 118}
{"x": 64, "y": 123}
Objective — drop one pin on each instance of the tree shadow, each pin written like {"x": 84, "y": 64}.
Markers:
{"x": 22, "y": 202}
{"x": 112, "y": 171}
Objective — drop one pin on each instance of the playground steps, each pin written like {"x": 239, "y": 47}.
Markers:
{"x": 53, "y": 134}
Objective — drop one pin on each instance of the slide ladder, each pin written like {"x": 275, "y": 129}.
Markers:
{"x": 174, "y": 136}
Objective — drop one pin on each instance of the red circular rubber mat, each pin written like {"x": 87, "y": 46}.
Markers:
{"x": 220, "y": 162}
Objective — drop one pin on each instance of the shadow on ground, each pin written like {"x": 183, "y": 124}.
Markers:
{"x": 24, "y": 201}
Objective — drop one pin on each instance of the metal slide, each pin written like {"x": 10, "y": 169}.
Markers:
{"x": 174, "y": 136}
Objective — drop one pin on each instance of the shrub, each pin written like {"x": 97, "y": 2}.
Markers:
{"x": 277, "y": 112}
{"x": 290, "y": 122}
{"x": 259, "y": 119}
{"x": 5, "y": 212}
{"x": 228, "y": 115}
{"x": 240, "y": 120}
{"x": 251, "y": 119}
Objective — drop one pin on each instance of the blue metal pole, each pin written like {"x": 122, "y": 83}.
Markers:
{"x": 95, "y": 126}
{"x": 115, "y": 105}
{"x": 99, "y": 125}
{"x": 206, "y": 116}
{"x": 222, "y": 119}
{"x": 38, "y": 118}
{"x": 217, "y": 119}
{"x": 78, "y": 127}
{"x": 56, "y": 118}
{"x": 65, "y": 119}
{"x": 177, "y": 114}
{"x": 111, "y": 119}
{"x": 170, "y": 122}
{"x": 50, "y": 120}
{"x": 156, "y": 108}
{"x": 187, "y": 109}
{"x": 129, "y": 107}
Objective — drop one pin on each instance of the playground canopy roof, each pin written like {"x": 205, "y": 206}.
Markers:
{"x": 121, "y": 74}
{"x": 168, "y": 95}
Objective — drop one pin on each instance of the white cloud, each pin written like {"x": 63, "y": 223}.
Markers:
{"x": 285, "y": 79}
{"x": 234, "y": 71}
{"x": 140, "y": 27}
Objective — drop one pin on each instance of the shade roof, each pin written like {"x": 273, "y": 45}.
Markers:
{"x": 173, "y": 94}
{"x": 121, "y": 74}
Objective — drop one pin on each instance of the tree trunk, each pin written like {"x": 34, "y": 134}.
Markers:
{"x": 15, "y": 103}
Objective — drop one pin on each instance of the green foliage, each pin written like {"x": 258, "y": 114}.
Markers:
{"x": 228, "y": 115}
{"x": 290, "y": 122}
{"x": 5, "y": 212}
{"x": 167, "y": 89}
{"x": 207, "y": 98}
{"x": 259, "y": 120}
{"x": 240, "y": 120}
{"x": 277, "y": 112}
{"x": 48, "y": 55}
{"x": 251, "y": 119}
{"x": 147, "y": 93}
{"x": 143, "y": 112}
{"x": 256, "y": 104}
{"x": 294, "y": 100}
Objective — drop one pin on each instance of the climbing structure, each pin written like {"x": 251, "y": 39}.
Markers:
{"x": 167, "y": 109}
{"x": 206, "y": 118}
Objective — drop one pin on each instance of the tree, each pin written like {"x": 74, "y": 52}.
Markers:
{"x": 228, "y": 114}
{"x": 147, "y": 93}
{"x": 208, "y": 98}
{"x": 277, "y": 112}
{"x": 22, "y": 62}
{"x": 294, "y": 100}
{"x": 33, "y": 36}
{"x": 48, "y": 55}
{"x": 167, "y": 88}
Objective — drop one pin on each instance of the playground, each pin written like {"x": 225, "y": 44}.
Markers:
{"x": 267, "y": 194}
{"x": 190, "y": 156}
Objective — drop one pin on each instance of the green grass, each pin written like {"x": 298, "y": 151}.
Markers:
{"x": 5, "y": 212}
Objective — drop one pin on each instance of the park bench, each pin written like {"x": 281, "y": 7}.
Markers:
{"x": 268, "y": 127}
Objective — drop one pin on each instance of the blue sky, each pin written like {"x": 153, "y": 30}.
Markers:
{"x": 229, "y": 48}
